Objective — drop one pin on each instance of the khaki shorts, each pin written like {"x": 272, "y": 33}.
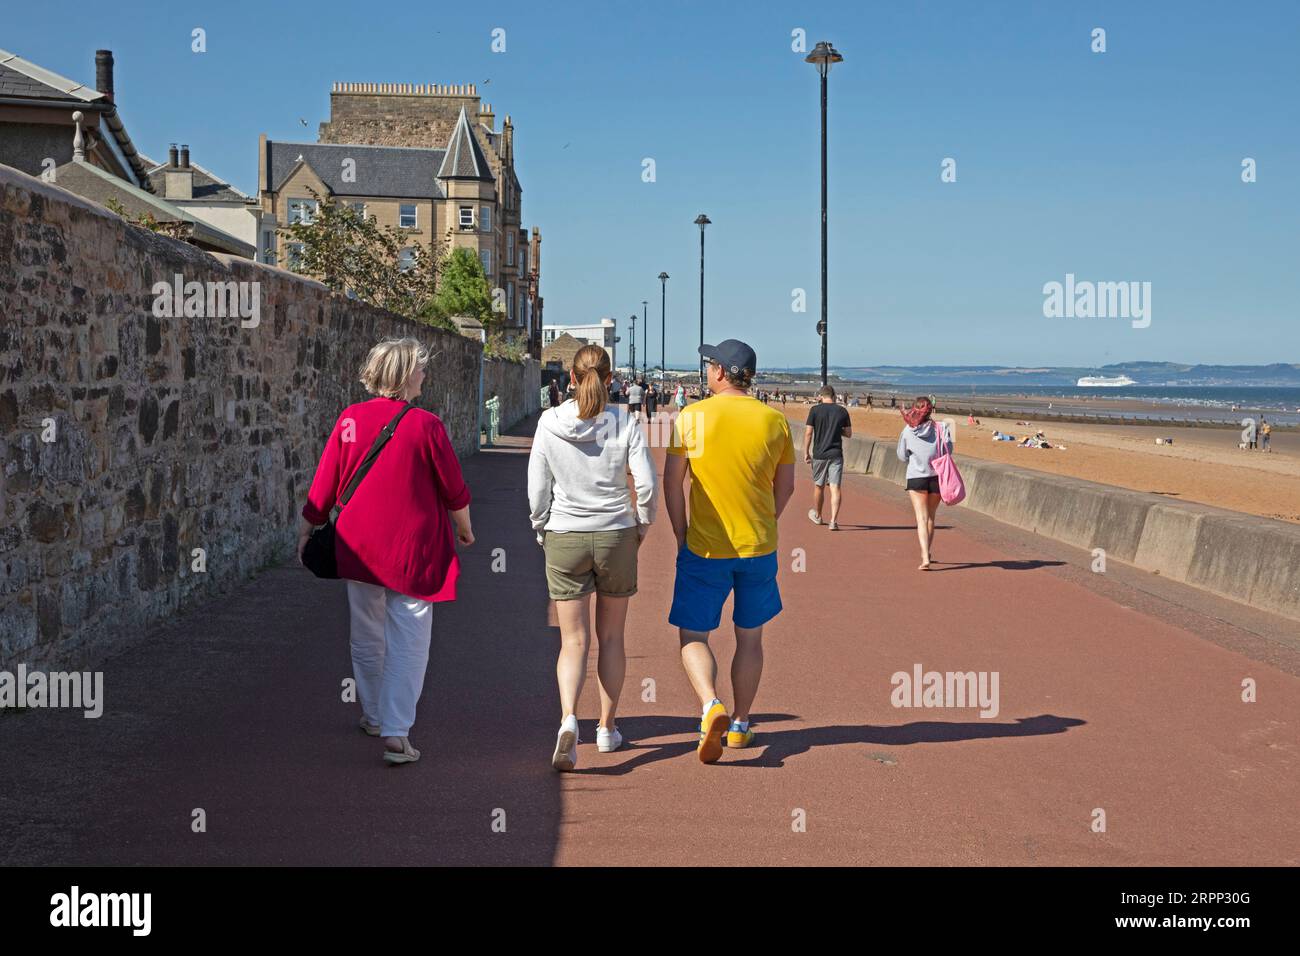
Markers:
{"x": 579, "y": 562}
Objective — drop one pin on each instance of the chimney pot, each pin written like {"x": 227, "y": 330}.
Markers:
{"x": 185, "y": 156}
{"x": 104, "y": 72}
{"x": 172, "y": 159}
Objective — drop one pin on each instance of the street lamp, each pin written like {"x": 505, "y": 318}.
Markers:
{"x": 631, "y": 327}
{"x": 823, "y": 56}
{"x": 702, "y": 220}
{"x": 645, "y": 334}
{"x": 663, "y": 328}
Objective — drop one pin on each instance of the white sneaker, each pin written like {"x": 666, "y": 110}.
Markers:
{"x": 566, "y": 745}
{"x": 813, "y": 516}
{"x": 607, "y": 741}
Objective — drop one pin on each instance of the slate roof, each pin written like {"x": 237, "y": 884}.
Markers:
{"x": 397, "y": 172}
{"x": 207, "y": 187}
{"x": 464, "y": 158}
{"x": 22, "y": 79}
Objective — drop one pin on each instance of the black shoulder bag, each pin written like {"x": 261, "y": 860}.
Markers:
{"x": 318, "y": 554}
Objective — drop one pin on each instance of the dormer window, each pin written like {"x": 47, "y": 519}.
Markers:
{"x": 302, "y": 211}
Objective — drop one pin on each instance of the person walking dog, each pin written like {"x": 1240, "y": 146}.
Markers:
{"x": 393, "y": 539}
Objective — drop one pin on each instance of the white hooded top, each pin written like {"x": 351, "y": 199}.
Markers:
{"x": 577, "y": 471}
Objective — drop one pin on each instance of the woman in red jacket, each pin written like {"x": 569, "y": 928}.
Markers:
{"x": 394, "y": 539}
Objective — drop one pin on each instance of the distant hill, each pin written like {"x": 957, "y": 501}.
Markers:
{"x": 1278, "y": 375}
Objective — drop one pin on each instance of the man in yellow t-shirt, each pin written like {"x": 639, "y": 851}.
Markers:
{"x": 740, "y": 457}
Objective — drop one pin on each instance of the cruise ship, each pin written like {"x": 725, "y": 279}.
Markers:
{"x": 1104, "y": 381}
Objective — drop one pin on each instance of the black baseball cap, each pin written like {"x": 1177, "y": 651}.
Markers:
{"x": 733, "y": 355}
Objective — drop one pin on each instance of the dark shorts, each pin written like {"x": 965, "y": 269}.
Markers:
{"x": 930, "y": 484}
{"x": 703, "y": 584}
{"x": 634, "y": 407}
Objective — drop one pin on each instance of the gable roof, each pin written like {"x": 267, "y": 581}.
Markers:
{"x": 464, "y": 158}
{"x": 398, "y": 172}
{"x": 207, "y": 186}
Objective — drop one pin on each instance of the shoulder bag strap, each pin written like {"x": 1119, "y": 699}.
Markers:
{"x": 380, "y": 441}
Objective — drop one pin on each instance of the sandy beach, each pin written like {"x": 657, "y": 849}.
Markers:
{"x": 1203, "y": 464}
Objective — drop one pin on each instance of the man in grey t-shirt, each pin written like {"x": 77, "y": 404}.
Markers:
{"x": 823, "y": 447}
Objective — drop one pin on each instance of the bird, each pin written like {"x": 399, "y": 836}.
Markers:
{"x": 302, "y": 121}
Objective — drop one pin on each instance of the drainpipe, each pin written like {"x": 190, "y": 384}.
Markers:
{"x": 482, "y": 355}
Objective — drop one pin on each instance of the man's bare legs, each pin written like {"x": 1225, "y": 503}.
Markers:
{"x": 819, "y": 497}
{"x": 746, "y": 667}
{"x": 835, "y": 504}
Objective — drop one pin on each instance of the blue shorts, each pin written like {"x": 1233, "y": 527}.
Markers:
{"x": 702, "y": 586}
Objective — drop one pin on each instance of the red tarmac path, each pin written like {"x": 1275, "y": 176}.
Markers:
{"x": 1116, "y": 692}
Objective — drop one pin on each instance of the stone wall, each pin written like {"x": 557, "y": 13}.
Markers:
{"x": 388, "y": 119}
{"x": 150, "y": 462}
{"x": 519, "y": 386}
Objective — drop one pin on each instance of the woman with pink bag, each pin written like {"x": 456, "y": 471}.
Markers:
{"x": 922, "y": 444}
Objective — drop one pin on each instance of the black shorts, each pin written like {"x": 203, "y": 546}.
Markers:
{"x": 930, "y": 484}
{"x": 634, "y": 407}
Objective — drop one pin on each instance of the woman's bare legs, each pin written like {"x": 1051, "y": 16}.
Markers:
{"x": 924, "y": 525}
{"x": 932, "y": 509}
{"x": 575, "y": 637}
{"x": 611, "y": 665}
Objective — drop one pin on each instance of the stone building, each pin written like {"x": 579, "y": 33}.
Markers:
{"x": 426, "y": 159}
{"x": 559, "y": 352}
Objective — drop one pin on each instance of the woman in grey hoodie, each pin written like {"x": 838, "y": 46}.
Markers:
{"x": 918, "y": 445}
{"x": 590, "y": 527}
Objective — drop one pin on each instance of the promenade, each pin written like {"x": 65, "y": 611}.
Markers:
{"x": 1117, "y": 693}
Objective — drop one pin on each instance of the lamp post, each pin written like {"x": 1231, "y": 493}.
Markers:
{"x": 631, "y": 327}
{"x": 823, "y": 57}
{"x": 645, "y": 334}
{"x": 663, "y": 328}
{"x": 702, "y": 220}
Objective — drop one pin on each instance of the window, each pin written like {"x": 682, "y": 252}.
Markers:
{"x": 406, "y": 259}
{"x": 486, "y": 256}
{"x": 523, "y": 260}
{"x": 302, "y": 210}
{"x": 268, "y": 246}
{"x": 510, "y": 301}
{"x": 485, "y": 218}
{"x": 467, "y": 217}
{"x": 295, "y": 255}
{"x": 359, "y": 208}
{"x": 406, "y": 218}
{"x": 510, "y": 248}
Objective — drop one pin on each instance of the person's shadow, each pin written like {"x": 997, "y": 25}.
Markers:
{"x": 773, "y": 747}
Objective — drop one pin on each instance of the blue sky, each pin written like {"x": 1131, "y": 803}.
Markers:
{"x": 1115, "y": 166}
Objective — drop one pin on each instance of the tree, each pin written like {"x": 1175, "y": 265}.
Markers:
{"x": 463, "y": 290}
{"x": 351, "y": 253}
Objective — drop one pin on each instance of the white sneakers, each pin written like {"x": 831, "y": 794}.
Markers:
{"x": 565, "y": 757}
{"x": 813, "y": 516}
{"x": 607, "y": 741}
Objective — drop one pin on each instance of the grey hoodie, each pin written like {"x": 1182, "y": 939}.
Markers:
{"x": 577, "y": 471}
{"x": 917, "y": 447}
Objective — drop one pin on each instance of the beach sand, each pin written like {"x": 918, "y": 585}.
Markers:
{"x": 1202, "y": 465}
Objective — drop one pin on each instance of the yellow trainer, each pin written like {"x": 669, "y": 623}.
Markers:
{"x": 716, "y": 721}
{"x": 739, "y": 738}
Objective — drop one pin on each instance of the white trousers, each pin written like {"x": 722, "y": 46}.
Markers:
{"x": 390, "y": 651}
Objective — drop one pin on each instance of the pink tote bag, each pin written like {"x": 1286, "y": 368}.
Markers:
{"x": 951, "y": 488}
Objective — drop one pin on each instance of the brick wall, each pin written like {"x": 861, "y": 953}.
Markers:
{"x": 128, "y": 441}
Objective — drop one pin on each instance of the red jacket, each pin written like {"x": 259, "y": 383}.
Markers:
{"x": 395, "y": 530}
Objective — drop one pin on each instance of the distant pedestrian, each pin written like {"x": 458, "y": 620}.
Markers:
{"x": 615, "y": 390}
{"x": 741, "y": 461}
{"x": 919, "y": 445}
{"x": 635, "y": 395}
{"x": 651, "y": 400}
{"x": 1265, "y": 434}
{"x": 554, "y": 394}
{"x": 680, "y": 397}
{"x": 395, "y": 541}
{"x": 591, "y": 530}
{"x": 823, "y": 447}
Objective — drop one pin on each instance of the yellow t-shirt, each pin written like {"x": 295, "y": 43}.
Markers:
{"x": 733, "y": 444}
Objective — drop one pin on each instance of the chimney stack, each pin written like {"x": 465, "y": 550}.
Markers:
{"x": 185, "y": 156}
{"x": 104, "y": 72}
{"x": 172, "y": 160}
{"x": 178, "y": 178}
